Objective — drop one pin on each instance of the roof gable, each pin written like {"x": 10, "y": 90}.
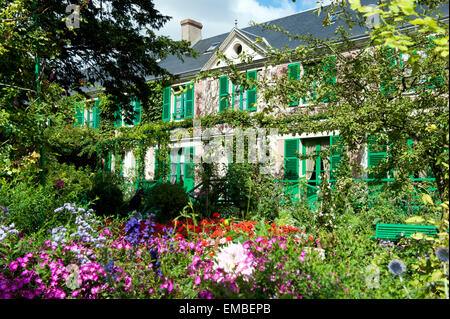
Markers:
{"x": 235, "y": 43}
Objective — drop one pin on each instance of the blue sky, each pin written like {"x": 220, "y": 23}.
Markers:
{"x": 218, "y": 16}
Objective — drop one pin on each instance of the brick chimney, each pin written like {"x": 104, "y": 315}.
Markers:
{"x": 191, "y": 31}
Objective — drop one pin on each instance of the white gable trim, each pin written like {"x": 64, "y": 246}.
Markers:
{"x": 235, "y": 37}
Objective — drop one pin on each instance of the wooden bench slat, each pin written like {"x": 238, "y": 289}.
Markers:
{"x": 395, "y": 231}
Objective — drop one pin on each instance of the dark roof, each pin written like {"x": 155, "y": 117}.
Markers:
{"x": 302, "y": 23}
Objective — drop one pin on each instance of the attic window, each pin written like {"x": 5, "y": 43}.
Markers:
{"x": 213, "y": 47}
{"x": 237, "y": 48}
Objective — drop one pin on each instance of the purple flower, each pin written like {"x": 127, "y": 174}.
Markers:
{"x": 59, "y": 184}
{"x": 205, "y": 295}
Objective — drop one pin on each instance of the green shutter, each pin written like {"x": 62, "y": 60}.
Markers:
{"x": 294, "y": 74}
{"x": 329, "y": 67}
{"x": 189, "y": 168}
{"x": 376, "y": 153}
{"x": 189, "y": 101}
{"x": 118, "y": 117}
{"x": 336, "y": 153}
{"x": 251, "y": 94}
{"x": 291, "y": 161}
{"x": 167, "y": 92}
{"x": 96, "y": 111}
{"x": 387, "y": 85}
{"x": 108, "y": 162}
{"x": 79, "y": 114}
{"x": 223, "y": 93}
{"x": 137, "y": 111}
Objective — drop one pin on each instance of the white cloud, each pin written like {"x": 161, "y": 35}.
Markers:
{"x": 218, "y": 16}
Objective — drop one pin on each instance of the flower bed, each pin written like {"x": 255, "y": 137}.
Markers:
{"x": 212, "y": 258}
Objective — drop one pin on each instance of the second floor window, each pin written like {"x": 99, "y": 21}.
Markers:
{"x": 129, "y": 117}
{"x": 240, "y": 99}
{"x": 183, "y": 103}
{"x": 88, "y": 115}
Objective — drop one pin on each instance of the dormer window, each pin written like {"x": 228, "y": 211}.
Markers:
{"x": 212, "y": 47}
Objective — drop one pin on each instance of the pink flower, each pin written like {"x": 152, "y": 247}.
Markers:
{"x": 197, "y": 281}
{"x": 95, "y": 290}
{"x": 13, "y": 265}
{"x": 167, "y": 285}
{"x": 302, "y": 256}
{"x": 75, "y": 293}
{"x": 127, "y": 282}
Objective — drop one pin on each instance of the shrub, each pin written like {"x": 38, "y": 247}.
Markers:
{"x": 166, "y": 200}
{"x": 30, "y": 205}
{"x": 106, "y": 194}
{"x": 71, "y": 182}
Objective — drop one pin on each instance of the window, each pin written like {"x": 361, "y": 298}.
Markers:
{"x": 377, "y": 152}
{"x": 311, "y": 95}
{"x": 89, "y": 116}
{"x": 128, "y": 117}
{"x": 212, "y": 47}
{"x": 183, "y": 104}
{"x": 240, "y": 99}
{"x": 182, "y": 167}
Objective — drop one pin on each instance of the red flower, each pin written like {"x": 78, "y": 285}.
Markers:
{"x": 229, "y": 238}
{"x": 216, "y": 215}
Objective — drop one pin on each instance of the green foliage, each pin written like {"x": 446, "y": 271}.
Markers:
{"x": 106, "y": 193}
{"x": 31, "y": 205}
{"x": 253, "y": 193}
{"x": 166, "y": 200}
{"x": 70, "y": 182}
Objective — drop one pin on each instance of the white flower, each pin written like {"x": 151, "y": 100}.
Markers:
{"x": 234, "y": 260}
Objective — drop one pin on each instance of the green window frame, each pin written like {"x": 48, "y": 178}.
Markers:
{"x": 184, "y": 103}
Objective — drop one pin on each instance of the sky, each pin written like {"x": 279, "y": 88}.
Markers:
{"x": 218, "y": 16}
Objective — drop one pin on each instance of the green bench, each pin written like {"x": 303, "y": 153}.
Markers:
{"x": 394, "y": 232}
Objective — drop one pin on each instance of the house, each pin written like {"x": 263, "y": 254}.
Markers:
{"x": 213, "y": 95}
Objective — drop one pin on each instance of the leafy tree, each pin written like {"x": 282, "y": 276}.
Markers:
{"x": 392, "y": 88}
{"x": 114, "y": 47}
